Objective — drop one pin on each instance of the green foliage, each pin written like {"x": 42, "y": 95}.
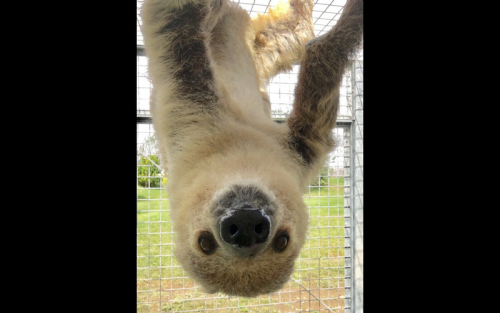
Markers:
{"x": 322, "y": 180}
{"x": 149, "y": 172}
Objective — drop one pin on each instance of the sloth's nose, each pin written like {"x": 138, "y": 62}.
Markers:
{"x": 245, "y": 227}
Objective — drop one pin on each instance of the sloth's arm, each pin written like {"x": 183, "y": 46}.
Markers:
{"x": 316, "y": 95}
{"x": 175, "y": 37}
{"x": 280, "y": 36}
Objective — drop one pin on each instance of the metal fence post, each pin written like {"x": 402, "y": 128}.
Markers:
{"x": 357, "y": 189}
{"x": 347, "y": 197}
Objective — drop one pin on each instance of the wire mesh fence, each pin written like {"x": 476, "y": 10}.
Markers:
{"x": 317, "y": 284}
{"x": 321, "y": 281}
{"x": 325, "y": 13}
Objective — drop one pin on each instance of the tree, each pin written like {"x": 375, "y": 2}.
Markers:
{"x": 322, "y": 180}
{"x": 149, "y": 172}
{"x": 149, "y": 147}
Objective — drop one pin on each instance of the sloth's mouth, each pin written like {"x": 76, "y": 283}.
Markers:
{"x": 247, "y": 251}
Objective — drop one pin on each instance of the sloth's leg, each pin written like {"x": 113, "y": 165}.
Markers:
{"x": 175, "y": 37}
{"x": 316, "y": 95}
{"x": 280, "y": 36}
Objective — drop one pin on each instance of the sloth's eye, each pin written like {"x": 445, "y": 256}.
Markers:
{"x": 207, "y": 243}
{"x": 281, "y": 241}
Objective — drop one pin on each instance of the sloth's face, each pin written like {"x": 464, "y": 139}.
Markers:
{"x": 245, "y": 241}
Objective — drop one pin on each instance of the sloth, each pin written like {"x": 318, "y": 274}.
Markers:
{"x": 236, "y": 177}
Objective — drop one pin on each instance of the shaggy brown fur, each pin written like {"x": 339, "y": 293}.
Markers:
{"x": 209, "y": 64}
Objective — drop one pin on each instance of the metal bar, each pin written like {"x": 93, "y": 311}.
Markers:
{"x": 357, "y": 189}
{"x": 326, "y": 306}
{"x": 144, "y": 119}
{"x": 348, "y": 206}
{"x": 140, "y": 50}
{"x": 343, "y": 123}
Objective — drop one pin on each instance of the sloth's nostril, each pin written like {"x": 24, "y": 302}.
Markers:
{"x": 258, "y": 228}
{"x": 233, "y": 229}
{"x": 244, "y": 228}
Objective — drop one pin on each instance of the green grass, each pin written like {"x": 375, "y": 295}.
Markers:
{"x": 323, "y": 253}
{"x": 320, "y": 265}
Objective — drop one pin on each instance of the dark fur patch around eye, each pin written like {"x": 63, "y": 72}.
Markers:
{"x": 207, "y": 243}
{"x": 281, "y": 241}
